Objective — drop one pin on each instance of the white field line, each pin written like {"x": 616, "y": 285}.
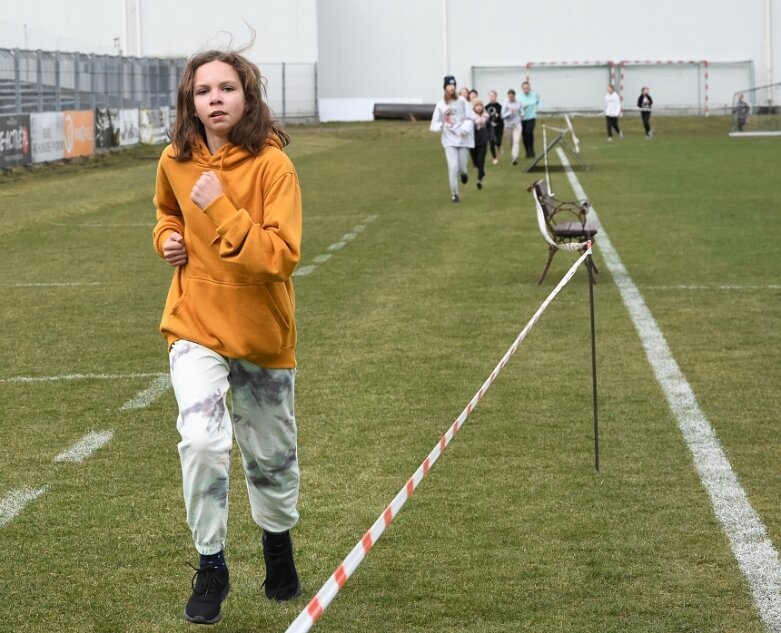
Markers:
{"x": 717, "y": 287}
{"x": 146, "y": 397}
{"x": 15, "y": 501}
{"x": 55, "y": 284}
{"x": 85, "y": 447}
{"x": 756, "y": 556}
{"x": 348, "y": 237}
{"x": 26, "y": 379}
{"x": 103, "y": 225}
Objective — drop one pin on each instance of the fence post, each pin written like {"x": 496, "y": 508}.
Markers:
{"x": 17, "y": 82}
{"x": 317, "y": 103}
{"x": 93, "y": 67}
{"x": 76, "y": 83}
{"x": 39, "y": 77}
{"x": 57, "y": 83}
{"x": 284, "y": 96}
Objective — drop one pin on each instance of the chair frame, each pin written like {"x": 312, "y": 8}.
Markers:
{"x": 561, "y": 234}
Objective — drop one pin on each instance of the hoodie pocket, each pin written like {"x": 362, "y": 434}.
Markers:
{"x": 240, "y": 320}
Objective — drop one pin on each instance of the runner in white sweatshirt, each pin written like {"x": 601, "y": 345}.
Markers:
{"x": 453, "y": 117}
{"x": 612, "y": 112}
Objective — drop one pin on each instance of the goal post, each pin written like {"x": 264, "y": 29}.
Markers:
{"x": 756, "y": 111}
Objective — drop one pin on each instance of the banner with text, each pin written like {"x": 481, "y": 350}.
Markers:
{"x": 48, "y": 136}
{"x": 79, "y": 128}
{"x": 15, "y": 140}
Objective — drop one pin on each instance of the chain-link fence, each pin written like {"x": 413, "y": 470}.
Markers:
{"x": 46, "y": 81}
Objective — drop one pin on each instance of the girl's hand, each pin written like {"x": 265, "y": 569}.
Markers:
{"x": 206, "y": 189}
{"x": 174, "y": 251}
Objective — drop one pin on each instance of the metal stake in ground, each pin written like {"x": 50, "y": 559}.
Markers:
{"x": 590, "y": 268}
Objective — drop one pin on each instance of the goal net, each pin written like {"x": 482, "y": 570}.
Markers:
{"x": 756, "y": 111}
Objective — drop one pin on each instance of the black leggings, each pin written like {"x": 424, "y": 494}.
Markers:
{"x": 478, "y": 159}
{"x": 495, "y": 140}
{"x": 612, "y": 124}
{"x": 528, "y": 136}
{"x": 646, "y": 121}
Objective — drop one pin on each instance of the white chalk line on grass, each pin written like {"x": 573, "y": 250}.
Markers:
{"x": 85, "y": 447}
{"x": 756, "y": 556}
{"x": 717, "y": 287}
{"x": 15, "y": 501}
{"x": 303, "y": 271}
{"x": 146, "y": 397}
{"x": 99, "y": 225}
{"x": 55, "y": 284}
{"x": 57, "y": 378}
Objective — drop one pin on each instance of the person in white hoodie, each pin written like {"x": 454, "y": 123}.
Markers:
{"x": 453, "y": 117}
{"x": 612, "y": 112}
{"x": 512, "y": 110}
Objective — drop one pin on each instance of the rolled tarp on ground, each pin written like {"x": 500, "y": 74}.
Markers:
{"x": 409, "y": 111}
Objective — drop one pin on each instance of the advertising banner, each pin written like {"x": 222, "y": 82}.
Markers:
{"x": 106, "y": 128}
{"x": 129, "y": 133}
{"x": 154, "y": 124}
{"x": 15, "y": 140}
{"x": 47, "y": 136}
{"x": 79, "y": 128}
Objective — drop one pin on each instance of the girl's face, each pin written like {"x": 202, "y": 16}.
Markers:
{"x": 478, "y": 108}
{"x": 219, "y": 100}
{"x": 450, "y": 90}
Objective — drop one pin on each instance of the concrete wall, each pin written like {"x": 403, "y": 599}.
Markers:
{"x": 400, "y": 49}
{"x": 286, "y": 31}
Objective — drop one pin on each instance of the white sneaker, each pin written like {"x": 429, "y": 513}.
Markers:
{"x": 609, "y": 139}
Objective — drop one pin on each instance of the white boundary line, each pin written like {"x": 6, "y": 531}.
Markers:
{"x": 55, "y": 284}
{"x": 756, "y": 556}
{"x": 146, "y": 397}
{"x": 717, "y": 287}
{"x": 12, "y": 379}
{"x": 303, "y": 271}
{"x": 85, "y": 447}
{"x": 15, "y": 501}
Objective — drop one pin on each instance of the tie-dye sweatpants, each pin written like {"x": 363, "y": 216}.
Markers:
{"x": 265, "y": 426}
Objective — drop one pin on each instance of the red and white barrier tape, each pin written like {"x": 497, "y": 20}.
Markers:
{"x": 307, "y": 618}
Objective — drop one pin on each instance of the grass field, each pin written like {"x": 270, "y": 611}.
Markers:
{"x": 512, "y": 530}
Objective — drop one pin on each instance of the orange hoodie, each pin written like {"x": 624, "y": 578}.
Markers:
{"x": 234, "y": 295}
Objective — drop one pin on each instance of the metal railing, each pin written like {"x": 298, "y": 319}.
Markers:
{"x": 53, "y": 81}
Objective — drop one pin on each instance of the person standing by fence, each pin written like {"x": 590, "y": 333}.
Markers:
{"x": 612, "y": 112}
{"x": 645, "y": 102}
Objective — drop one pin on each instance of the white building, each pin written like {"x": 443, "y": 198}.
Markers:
{"x": 370, "y": 51}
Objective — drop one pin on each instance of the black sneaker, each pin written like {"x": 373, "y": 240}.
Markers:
{"x": 454, "y": 198}
{"x": 515, "y": 162}
{"x": 464, "y": 178}
{"x": 282, "y": 581}
{"x": 210, "y": 588}
{"x": 479, "y": 184}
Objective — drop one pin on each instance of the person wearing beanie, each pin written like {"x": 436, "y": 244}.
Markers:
{"x": 453, "y": 117}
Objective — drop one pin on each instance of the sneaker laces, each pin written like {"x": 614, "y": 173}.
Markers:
{"x": 205, "y": 580}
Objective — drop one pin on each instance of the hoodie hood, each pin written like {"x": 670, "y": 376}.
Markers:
{"x": 229, "y": 156}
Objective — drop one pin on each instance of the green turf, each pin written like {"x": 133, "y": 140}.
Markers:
{"x": 512, "y": 530}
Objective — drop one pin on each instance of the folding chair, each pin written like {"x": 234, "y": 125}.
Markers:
{"x": 569, "y": 235}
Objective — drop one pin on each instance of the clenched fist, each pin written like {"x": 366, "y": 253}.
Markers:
{"x": 174, "y": 251}
{"x": 206, "y": 189}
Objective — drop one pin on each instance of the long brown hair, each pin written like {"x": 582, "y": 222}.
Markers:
{"x": 254, "y": 127}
